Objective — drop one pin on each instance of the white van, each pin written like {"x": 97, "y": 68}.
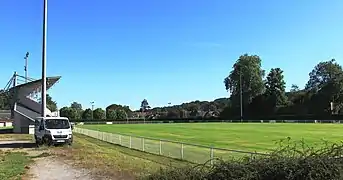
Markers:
{"x": 53, "y": 130}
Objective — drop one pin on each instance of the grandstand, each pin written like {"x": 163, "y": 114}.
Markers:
{"x": 25, "y": 100}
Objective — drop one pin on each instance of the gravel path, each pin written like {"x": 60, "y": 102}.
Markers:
{"x": 50, "y": 168}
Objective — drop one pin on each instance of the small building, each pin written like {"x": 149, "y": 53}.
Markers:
{"x": 5, "y": 118}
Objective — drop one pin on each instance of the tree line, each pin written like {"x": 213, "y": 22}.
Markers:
{"x": 111, "y": 112}
{"x": 253, "y": 93}
{"x": 257, "y": 93}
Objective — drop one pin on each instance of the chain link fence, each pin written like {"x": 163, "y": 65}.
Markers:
{"x": 178, "y": 150}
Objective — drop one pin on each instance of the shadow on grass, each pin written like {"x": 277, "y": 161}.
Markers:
{"x": 17, "y": 145}
{"x": 6, "y": 131}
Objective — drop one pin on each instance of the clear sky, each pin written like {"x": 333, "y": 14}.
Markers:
{"x": 122, "y": 51}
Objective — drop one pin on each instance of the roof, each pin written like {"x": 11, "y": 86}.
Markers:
{"x": 51, "y": 118}
{"x": 33, "y": 85}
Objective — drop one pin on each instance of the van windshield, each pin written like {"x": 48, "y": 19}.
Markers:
{"x": 57, "y": 124}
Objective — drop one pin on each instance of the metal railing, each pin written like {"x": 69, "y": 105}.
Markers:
{"x": 178, "y": 150}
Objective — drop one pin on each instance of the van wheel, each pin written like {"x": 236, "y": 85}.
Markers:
{"x": 47, "y": 141}
{"x": 37, "y": 141}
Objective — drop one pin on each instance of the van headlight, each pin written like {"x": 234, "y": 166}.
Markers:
{"x": 70, "y": 135}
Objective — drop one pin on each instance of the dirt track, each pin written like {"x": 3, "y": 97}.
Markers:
{"x": 46, "y": 168}
{"x": 50, "y": 168}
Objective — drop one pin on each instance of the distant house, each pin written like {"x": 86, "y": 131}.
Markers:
{"x": 5, "y": 118}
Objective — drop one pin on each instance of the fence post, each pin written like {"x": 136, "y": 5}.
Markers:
{"x": 130, "y": 142}
{"x": 119, "y": 139}
{"x": 181, "y": 151}
{"x": 211, "y": 155}
{"x": 160, "y": 147}
{"x": 143, "y": 145}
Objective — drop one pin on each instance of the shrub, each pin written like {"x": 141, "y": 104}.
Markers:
{"x": 294, "y": 161}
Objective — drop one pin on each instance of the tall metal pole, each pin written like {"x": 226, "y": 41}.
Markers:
{"x": 44, "y": 58}
{"x": 92, "y": 103}
{"x": 25, "y": 68}
{"x": 241, "y": 93}
{"x": 15, "y": 79}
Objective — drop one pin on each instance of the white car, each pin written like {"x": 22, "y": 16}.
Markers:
{"x": 53, "y": 130}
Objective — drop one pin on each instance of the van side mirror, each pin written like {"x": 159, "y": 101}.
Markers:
{"x": 41, "y": 128}
{"x": 72, "y": 127}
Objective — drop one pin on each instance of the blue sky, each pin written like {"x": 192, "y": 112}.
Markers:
{"x": 166, "y": 51}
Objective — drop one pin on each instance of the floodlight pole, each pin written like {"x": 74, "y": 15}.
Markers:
{"x": 45, "y": 14}
{"x": 92, "y": 103}
{"x": 25, "y": 67}
{"x": 241, "y": 93}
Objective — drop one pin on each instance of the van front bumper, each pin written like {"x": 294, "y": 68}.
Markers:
{"x": 62, "y": 140}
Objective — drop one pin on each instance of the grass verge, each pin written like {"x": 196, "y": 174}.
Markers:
{"x": 111, "y": 160}
{"x": 6, "y": 137}
{"x": 12, "y": 164}
{"x": 284, "y": 163}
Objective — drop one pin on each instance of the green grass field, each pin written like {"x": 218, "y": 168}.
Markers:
{"x": 248, "y": 136}
{"x": 7, "y": 127}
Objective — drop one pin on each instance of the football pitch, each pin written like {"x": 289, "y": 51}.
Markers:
{"x": 260, "y": 137}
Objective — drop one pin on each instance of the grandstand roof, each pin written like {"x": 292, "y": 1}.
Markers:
{"x": 36, "y": 84}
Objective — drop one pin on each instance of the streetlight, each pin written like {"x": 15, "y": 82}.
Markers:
{"x": 25, "y": 67}
{"x": 45, "y": 14}
{"x": 92, "y": 103}
{"x": 241, "y": 93}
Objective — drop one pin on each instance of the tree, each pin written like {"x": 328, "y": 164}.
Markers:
{"x": 294, "y": 88}
{"x": 275, "y": 87}
{"x": 246, "y": 71}
{"x": 326, "y": 85}
{"x": 117, "y": 107}
{"x": 144, "y": 105}
{"x": 51, "y": 105}
{"x": 173, "y": 114}
{"x": 121, "y": 114}
{"x": 5, "y": 102}
{"x": 87, "y": 114}
{"x": 111, "y": 114}
{"x": 99, "y": 114}
{"x": 76, "y": 106}
{"x": 70, "y": 113}
{"x": 323, "y": 73}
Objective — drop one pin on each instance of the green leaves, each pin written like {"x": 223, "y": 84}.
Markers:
{"x": 248, "y": 73}
{"x": 275, "y": 87}
{"x": 87, "y": 114}
{"x": 52, "y": 105}
{"x": 99, "y": 114}
{"x": 70, "y": 113}
{"x": 265, "y": 97}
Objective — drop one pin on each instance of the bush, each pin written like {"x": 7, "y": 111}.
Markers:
{"x": 289, "y": 162}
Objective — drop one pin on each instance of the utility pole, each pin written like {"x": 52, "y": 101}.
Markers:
{"x": 25, "y": 67}
{"x": 45, "y": 14}
{"x": 241, "y": 93}
{"x": 92, "y": 103}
